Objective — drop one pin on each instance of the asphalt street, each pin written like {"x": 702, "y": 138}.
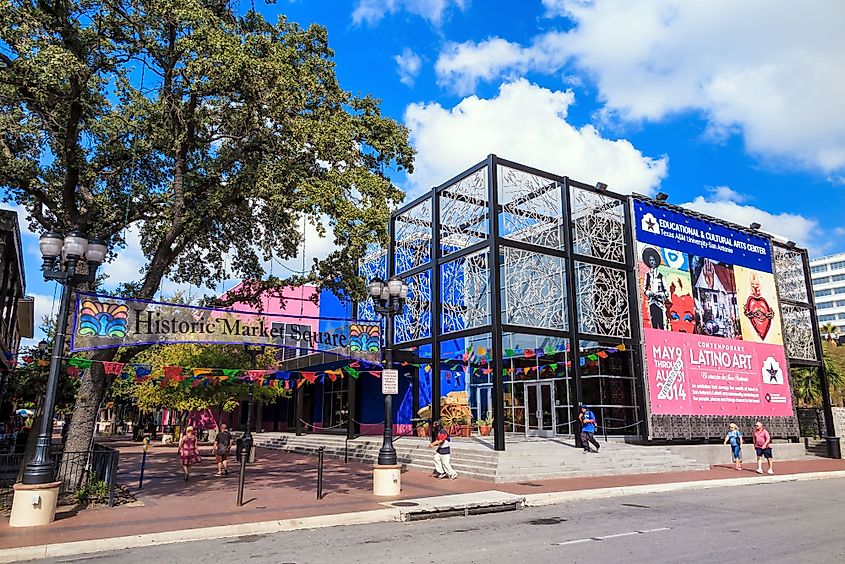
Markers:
{"x": 786, "y": 522}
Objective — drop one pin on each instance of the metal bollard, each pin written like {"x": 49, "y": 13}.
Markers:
{"x": 143, "y": 463}
{"x": 320, "y": 474}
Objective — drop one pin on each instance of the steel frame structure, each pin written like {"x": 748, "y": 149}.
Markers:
{"x": 499, "y": 209}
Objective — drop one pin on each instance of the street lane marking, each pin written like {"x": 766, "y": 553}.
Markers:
{"x": 616, "y": 536}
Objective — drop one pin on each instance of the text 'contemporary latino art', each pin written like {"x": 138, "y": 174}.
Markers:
{"x": 102, "y": 322}
{"x": 712, "y": 323}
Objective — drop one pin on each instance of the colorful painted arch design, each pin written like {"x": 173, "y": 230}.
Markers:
{"x": 364, "y": 338}
{"x": 102, "y": 319}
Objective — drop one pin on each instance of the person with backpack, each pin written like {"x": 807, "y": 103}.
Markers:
{"x": 588, "y": 429}
{"x": 442, "y": 467}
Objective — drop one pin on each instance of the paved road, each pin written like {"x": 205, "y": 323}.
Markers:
{"x": 770, "y": 523}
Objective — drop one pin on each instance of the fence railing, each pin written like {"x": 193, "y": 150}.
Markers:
{"x": 74, "y": 470}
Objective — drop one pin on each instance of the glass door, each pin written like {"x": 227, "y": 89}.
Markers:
{"x": 483, "y": 406}
{"x": 539, "y": 410}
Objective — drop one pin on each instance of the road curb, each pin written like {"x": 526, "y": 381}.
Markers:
{"x": 551, "y": 498}
{"x": 187, "y": 535}
{"x": 370, "y": 516}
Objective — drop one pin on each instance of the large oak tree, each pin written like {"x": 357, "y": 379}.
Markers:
{"x": 214, "y": 134}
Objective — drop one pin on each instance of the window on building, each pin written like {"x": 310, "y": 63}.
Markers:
{"x": 818, "y": 268}
{"x": 820, "y": 293}
{"x": 839, "y": 290}
{"x": 838, "y": 265}
{"x": 828, "y": 317}
{"x": 840, "y": 316}
{"x": 824, "y": 305}
{"x": 838, "y": 277}
{"x": 822, "y": 280}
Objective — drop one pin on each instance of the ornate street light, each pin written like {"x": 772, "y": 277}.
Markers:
{"x": 61, "y": 256}
{"x": 388, "y": 300}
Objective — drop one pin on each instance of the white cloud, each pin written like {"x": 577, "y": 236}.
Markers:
{"x": 758, "y": 67}
{"x": 372, "y": 11}
{"x": 408, "y": 66}
{"x": 727, "y": 194}
{"x": 789, "y": 226}
{"x": 525, "y": 123}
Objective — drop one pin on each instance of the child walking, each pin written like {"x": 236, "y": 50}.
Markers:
{"x": 734, "y": 437}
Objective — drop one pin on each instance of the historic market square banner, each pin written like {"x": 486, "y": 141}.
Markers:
{"x": 103, "y": 322}
{"x": 712, "y": 322}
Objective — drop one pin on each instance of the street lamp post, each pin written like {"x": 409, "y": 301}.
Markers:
{"x": 35, "y": 497}
{"x": 388, "y": 300}
{"x": 246, "y": 443}
{"x": 61, "y": 256}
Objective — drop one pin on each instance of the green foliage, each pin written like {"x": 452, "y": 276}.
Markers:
{"x": 94, "y": 490}
{"x": 806, "y": 384}
{"x": 239, "y": 132}
{"x": 185, "y": 397}
{"x": 241, "y": 129}
{"x": 829, "y": 330}
{"x": 27, "y": 384}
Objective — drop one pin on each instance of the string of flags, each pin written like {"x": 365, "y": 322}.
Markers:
{"x": 474, "y": 362}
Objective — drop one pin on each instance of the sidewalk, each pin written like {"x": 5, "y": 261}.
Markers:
{"x": 281, "y": 486}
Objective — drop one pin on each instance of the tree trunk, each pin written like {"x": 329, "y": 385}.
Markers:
{"x": 92, "y": 388}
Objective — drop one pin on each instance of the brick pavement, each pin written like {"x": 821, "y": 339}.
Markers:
{"x": 283, "y": 486}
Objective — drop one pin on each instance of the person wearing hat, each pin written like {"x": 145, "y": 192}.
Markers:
{"x": 588, "y": 429}
{"x": 654, "y": 289}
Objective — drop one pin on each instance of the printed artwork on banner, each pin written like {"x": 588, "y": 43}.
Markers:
{"x": 711, "y": 318}
{"x": 757, "y": 299}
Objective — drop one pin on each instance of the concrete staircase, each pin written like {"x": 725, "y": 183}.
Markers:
{"x": 525, "y": 459}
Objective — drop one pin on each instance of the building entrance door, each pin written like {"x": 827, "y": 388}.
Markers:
{"x": 539, "y": 410}
{"x": 483, "y": 407}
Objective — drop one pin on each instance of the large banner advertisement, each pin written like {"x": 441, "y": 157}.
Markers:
{"x": 712, "y": 325}
{"x": 103, "y": 322}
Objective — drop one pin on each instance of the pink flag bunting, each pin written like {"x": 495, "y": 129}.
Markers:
{"x": 113, "y": 367}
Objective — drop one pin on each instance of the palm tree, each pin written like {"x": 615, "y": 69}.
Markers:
{"x": 829, "y": 330}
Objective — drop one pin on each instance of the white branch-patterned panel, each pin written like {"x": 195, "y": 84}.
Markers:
{"x": 798, "y": 332}
{"x": 466, "y": 292}
{"x": 415, "y": 321}
{"x": 531, "y": 208}
{"x": 464, "y": 211}
{"x": 533, "y": 289}
{"x": 413, "y": 237}
{"x": 602, "y": 294}
{"x": 789, "y": 274}
{"x": 598, "y": 225}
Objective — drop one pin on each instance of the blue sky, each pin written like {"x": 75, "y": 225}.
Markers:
{"x": 736, "y": 109}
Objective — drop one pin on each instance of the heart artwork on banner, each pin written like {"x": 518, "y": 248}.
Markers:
{"x": 757, "y": 310}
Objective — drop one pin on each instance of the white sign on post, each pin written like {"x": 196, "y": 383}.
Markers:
{"x": 389, "y": 381}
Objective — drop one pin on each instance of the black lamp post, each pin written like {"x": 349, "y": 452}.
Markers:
{"x": 61, "y": 255}
{"x": 246, "y": 443}
{"x": 388, "y": 300}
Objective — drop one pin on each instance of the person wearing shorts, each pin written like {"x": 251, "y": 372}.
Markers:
{"x": 222, "y": 446}
{"x": 763, "y": 446}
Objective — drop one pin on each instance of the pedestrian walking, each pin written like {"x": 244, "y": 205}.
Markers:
{"x": 588, "y": 429}
{"x": 763, "y": 447}
{"x": 222, "y": 446}
{"x": 734, "y": 437}
{"x": 189, "y": 454}
{"x": 442, "y": 467}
